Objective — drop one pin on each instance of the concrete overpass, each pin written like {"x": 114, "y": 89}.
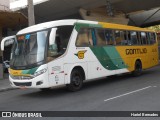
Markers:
{"x": 132, "y": 12}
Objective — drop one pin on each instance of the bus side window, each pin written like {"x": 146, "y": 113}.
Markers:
{"x": 109, "y": 37}
{"x": 58, "y": 42}
{"x": 134, "y": 40}
{"x": 117, "y": 35}
{"x": 140, "y": 41}
{"x": 61, "y": 42}
{"x": 100, "y": 37}
{"x": 120, "y": 37}
{"x": 152, "y": 38}
{"x": 62, "y": 38}
{"x": 129, "y": 38}
{"x": 83, "y": 38}
{"x": 148, "y": 38}
{"x": 143, "y": 38}
{"x": 125, "y": 38}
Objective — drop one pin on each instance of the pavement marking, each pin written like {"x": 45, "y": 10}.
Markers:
{"x": 127, "y": 93}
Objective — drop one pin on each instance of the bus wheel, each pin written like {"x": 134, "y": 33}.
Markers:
{"x": 76, "y": 80}
{"x": 138, "y": 68}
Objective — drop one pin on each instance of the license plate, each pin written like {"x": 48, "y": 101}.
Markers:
{"x": 23, "y": 87}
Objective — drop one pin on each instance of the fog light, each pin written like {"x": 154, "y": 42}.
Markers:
{"x": 39, "y": 83}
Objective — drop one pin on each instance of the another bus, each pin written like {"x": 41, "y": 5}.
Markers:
{"x": 68, "y": 52}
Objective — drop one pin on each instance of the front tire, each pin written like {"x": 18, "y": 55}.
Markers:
{"x": 138, "y": 68}
{"x": 76, "y": 80}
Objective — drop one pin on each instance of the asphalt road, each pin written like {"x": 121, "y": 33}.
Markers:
{"x": 118, "y": 93}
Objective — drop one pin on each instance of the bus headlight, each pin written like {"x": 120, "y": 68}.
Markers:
{"x": 40, "y": 72}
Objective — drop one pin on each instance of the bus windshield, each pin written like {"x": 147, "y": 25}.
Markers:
{"x": 28, "y": 49}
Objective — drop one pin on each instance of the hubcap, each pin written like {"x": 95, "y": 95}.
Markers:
{"x": 76, "y": 80}
{"x": 139, "y": 68}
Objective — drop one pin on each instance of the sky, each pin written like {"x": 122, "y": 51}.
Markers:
{"x": 22, "y": 4}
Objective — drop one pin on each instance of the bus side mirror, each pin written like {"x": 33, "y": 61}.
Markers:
{"x": 52, "y": 36}
{"x": 7, "y": 41}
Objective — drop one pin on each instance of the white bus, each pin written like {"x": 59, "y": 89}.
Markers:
{"x": 67, "y": 52}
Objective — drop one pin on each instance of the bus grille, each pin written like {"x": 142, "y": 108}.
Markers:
{"x": 23, "y": 84}
{"x": 21, "y": 77}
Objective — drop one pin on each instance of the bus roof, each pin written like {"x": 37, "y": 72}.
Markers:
{"x": 123, "y": 27}
{"x": 52, "y": 24}
{"x": 46, "y": 25}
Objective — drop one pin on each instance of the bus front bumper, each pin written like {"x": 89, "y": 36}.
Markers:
{"x": 37, "y": 82}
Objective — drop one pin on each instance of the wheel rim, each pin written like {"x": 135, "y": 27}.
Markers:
{"x": 138, "y": 67}
{"x": 76, "y": 79}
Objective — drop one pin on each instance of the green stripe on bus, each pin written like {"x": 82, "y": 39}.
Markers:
{"x": 108, "y": 57}
{"x": 30, "y": 71}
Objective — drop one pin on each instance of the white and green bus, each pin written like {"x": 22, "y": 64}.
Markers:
{"x": 67, "y": 52}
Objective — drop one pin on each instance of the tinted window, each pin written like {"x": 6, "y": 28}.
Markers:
{"x": 152, "y": 38}
{"x": 143, "y": 37}
{"x": 62, "y": 37}
{"x": 120, "y": 37}
{"x": 84, "y": 38}
{"x": 133, "y": 38}
{"x": 100, "y": 37}
{"x": 109, "y": 37}
{"x": 148, "y": 38}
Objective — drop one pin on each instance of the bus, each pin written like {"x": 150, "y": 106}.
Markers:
{"x": 69, "y": 52}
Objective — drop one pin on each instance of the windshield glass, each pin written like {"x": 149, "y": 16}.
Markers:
{"x": 29, "y": 49}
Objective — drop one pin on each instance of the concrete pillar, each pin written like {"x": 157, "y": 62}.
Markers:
{"x": 31, "y": 17}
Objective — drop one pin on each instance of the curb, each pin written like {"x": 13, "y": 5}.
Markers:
{"x": 7, "y": 89}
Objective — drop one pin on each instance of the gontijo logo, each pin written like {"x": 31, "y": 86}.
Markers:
{"x": 136, "y": 51}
